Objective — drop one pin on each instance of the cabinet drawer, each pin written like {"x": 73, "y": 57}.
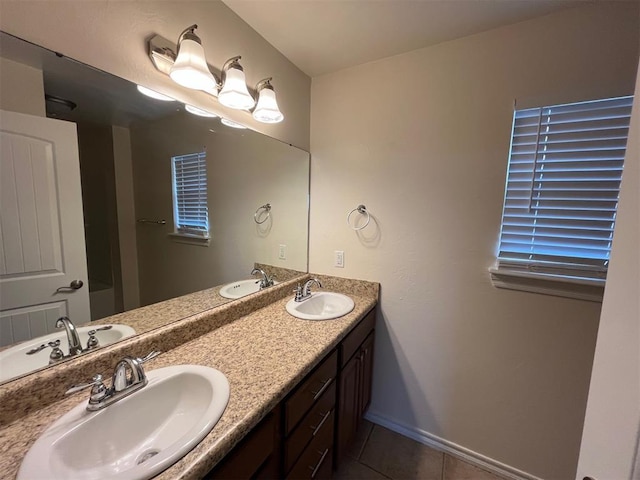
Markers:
{"x": 311, "y": 426}
{"x": 352, "y": 342}
{"x": 310, "y": 391}
{"x": 250, "y": 454}
{"x": 315, "y": 462}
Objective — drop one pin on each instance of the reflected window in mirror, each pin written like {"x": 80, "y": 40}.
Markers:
{"x": 189, "y": 178}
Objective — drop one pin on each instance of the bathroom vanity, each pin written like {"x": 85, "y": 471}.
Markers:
{"x": 311, "y": 429}
{"x": 286, "y": 376}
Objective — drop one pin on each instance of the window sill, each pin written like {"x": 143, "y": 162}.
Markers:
{"x": 548, "y": 284}
{"x": 190, "y": 239}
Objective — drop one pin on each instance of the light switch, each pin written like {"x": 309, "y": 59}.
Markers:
{"x": 339, "y": 259}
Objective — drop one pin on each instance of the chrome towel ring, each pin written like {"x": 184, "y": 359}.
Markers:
{"x": 267, "y": 209}
{"x": 361, "y": 209}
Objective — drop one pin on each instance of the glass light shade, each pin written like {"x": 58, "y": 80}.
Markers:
{"x": 190, "y": 68}
{"x": 234, "y": 93}
{"x": 267, "y": 110}
{"x": 153, "y": 94}
{"x": 231, "y": 123}
{"x": 199, "y": 111}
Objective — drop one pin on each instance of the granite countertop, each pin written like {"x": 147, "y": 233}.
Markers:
{"x": 263, "y": 354}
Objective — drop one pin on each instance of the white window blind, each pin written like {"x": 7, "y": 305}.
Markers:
{"x": 562, "y": 189}
{"x": 190, "y": 194}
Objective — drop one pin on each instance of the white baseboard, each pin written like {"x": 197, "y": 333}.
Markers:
{"x": 446, "y": 446}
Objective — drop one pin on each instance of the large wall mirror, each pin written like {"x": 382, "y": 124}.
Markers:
{"x": 144, "y": 163}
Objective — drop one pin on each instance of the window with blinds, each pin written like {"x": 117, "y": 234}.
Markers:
{"x": 190, "y": 210}
{"x": 562, "y": 188}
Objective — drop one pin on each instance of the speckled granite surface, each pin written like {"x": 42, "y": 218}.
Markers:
{"x": 264, "y": 353}
{"x": 150, "y": 317}
{"x": 27, "y": 394}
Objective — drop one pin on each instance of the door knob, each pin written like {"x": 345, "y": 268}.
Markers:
{"x": 74, "y": 285}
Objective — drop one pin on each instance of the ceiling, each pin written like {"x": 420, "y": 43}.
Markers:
{"x": 324, "y": 36}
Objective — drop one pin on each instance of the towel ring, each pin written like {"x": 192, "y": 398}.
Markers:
{"x": 362, "y": 210}
{"x": 267, "y": 208}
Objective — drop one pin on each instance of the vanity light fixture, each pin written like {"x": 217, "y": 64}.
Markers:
{"x": 234, "y": 93}
{"x": 153, "y": 94}
{"x": 199, "y": 111}
{"x": 190, "y": 68}
{"x": 267, "y": 110}
{"x": 232, "y": 124}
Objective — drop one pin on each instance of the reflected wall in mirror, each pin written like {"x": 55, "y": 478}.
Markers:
{"x": 124, "y": 228}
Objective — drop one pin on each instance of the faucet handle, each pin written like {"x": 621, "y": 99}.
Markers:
{"x": 92, "y": 341}
{"x": 149, "y": 356}
{"x": 298, "y": 292}
{"x": 52, "y": 344}
{"x": 96, "y": 381}
{"x": 98, "y": 390}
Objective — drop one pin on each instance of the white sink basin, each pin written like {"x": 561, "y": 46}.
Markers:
{"x": 241, "y": 288}
{"x": 321, "y": 306}
{"x": 137, "y": 437}
{"x": 14, "y": 361}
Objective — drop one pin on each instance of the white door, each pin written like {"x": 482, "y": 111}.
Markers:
{"x": 41, "y": 227}
{"x": 611, "y": 436}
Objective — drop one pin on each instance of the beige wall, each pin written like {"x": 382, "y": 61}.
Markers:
{"x": 123, "y": 169}
{"x": 422, "y": 140}
{"x": 112, "y": 36}
{"x": 612, "y": 420}
{"x": 21, "y": 88}
{"x": 95, "y": 143}
{"x": 244, "y": 170}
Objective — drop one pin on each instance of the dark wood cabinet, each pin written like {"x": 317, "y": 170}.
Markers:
{"x": 309, "y": 431}
{"x": 309, "y": 423}
{"x": 355, "y": 378}
{"x": 348, "y": 406}
{"x": 366, "y": 353}
{"x": 256, "y": 456}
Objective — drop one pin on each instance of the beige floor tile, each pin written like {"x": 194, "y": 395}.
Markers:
{"x": 351, "y": 469}
{"x": 401, "y": 458}
{"x": 355, "y": 450}
{"x": 456, "y": 469}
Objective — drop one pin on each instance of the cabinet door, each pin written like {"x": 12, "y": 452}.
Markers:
{"x": 348, "y": 405}
{"x": 366, "y": 366}
{"x": 256, "y": 456}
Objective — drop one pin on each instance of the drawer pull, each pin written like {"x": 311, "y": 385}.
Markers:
{"x": 315, "y": 469}
{"x": 317, "y": 394}
{"x": 324, "y": 419}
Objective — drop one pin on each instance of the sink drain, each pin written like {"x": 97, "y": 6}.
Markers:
{"x": 147, "y": 455}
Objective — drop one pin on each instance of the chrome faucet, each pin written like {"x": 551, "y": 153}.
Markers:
{"x": 56, "y": 353}
{"x": 304, "y": 292}
{"x": 265, "y": 281}
{"x": 75, "y": 347}
{"x": 128, "y": 377}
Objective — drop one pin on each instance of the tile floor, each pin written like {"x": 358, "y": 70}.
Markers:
{"x": 380, "y": 454}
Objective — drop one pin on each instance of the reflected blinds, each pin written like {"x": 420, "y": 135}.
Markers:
{"x": 190, "y": 194}
{"x": 563, "y": 182}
